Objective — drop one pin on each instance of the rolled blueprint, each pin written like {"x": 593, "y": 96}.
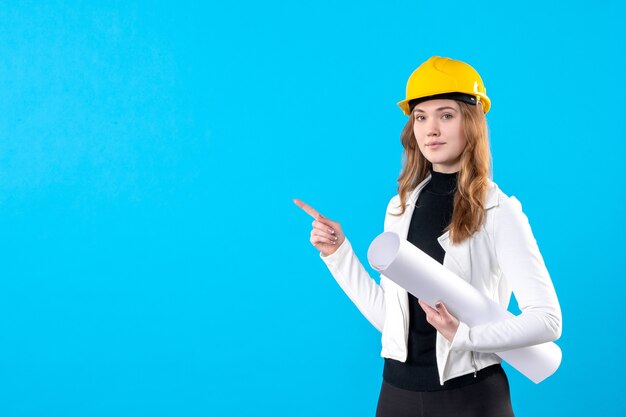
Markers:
{"x": 430, "y": 281}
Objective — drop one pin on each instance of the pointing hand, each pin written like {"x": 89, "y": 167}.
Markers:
{"x": 326, "y": 235}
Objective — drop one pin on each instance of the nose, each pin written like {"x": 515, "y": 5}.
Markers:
{"x": 432, "y": 128}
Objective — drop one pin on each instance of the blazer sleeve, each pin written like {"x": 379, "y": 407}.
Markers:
{"x": 523, "y": 266}
{"x": 355, "y": 281}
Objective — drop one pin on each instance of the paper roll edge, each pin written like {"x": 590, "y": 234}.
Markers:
{"x": 383, "y": 250}
{"x": 557, "y": 364}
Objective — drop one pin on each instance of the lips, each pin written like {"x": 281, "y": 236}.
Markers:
{"x": 434, "y": 143}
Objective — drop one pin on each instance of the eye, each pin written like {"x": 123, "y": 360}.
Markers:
{"x": 447, "y": 116}
{"x": 417, "y": 117}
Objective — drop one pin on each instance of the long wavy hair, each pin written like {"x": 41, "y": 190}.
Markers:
{"x": 469, "y": 199}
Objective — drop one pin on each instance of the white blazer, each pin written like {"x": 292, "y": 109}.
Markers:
{"x": 502, "y": 256}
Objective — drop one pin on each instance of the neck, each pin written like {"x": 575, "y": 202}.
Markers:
{"x": 443, "y": 182}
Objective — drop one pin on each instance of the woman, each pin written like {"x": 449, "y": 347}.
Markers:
{"x": 447, "y": 206}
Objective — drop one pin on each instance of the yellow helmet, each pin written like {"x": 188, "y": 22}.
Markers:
{"x": 438, "y": 77}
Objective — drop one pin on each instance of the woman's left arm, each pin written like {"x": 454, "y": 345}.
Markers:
{"x": 523, "y": 266}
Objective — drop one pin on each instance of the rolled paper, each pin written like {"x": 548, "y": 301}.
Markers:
{"x": 431, "y": 282}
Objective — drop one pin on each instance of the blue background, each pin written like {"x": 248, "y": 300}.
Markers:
{"x": 152, "y": 260}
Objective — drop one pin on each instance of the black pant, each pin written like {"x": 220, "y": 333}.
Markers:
{"x": 489, "y": 397}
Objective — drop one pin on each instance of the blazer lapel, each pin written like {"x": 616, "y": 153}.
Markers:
{"x": 403, "y": 228}
{"x": 459, "y": 256}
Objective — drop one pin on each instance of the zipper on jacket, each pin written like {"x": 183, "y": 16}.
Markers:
{"x": 474, "y": 364}
{"x": 404, "y": 321}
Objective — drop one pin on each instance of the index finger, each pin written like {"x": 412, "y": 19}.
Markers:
{"x": 310, "y": 210}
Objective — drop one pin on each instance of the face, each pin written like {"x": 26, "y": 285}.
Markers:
{"x": 439, "y": 133}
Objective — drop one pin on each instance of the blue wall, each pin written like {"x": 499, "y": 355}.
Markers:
{"x": 152, "y": 261}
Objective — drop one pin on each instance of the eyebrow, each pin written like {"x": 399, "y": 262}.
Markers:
{"x": 439, "y": 109}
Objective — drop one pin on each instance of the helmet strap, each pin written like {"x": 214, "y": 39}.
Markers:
{"x": 466, "y": 98}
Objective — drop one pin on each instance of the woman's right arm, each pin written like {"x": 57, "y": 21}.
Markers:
{"x": 354, "y": 280}
{"x": 344, "y": 265}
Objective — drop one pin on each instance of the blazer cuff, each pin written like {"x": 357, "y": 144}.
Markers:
{"x": 336, "y": 257}
{"x": 461, "y": 340}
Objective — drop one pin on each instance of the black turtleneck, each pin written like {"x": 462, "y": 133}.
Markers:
{"x": 432, "y": 214}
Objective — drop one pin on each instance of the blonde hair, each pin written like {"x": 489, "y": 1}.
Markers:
{"x": 469, "y": 198}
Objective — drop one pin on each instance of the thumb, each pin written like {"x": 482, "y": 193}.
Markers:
{"x": 326, "y": 219}
{"x": 441, "y": 308}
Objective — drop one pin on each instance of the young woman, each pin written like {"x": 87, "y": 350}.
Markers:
{"x": 448, "y": 206}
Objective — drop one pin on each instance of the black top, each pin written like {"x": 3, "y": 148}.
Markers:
{"x": 432, "y": 214}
